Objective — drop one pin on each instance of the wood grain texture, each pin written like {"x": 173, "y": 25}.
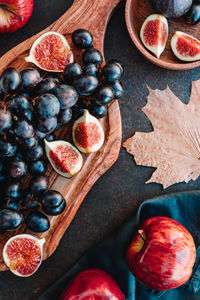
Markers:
{"x": 92, "y": 15}
{"x": 136, "y": 12}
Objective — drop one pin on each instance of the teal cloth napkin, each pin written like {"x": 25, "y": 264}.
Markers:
{"x": 109, "y": 254}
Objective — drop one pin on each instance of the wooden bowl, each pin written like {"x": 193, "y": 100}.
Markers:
{"x": 136, "y": 12}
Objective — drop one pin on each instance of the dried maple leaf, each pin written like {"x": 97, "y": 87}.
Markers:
{"x": 174, "y": 145}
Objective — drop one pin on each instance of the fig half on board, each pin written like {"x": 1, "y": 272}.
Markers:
{"x": 185, "y": 47}
{"x": 88, "y": 134}
{"x": 154, "y": 33}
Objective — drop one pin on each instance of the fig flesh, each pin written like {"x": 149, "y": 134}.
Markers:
{"x": 64, "y": 158}
{"x": 88, "y": 134}
{"x": 23, "y": 254}
{"x": 154, "y": 33}
{"x": 172, "y": 8}
{"x": 185, "y": 47}
{"x": 58, "y": 56}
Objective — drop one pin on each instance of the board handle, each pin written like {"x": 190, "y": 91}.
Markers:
{"x": 92, "y": 15}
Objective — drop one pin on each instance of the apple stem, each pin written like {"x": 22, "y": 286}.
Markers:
{"x": 141, "y": 233}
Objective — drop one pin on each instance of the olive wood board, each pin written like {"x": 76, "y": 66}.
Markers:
{"x": 136, "y": 12}
{"x": 92, "y": 15}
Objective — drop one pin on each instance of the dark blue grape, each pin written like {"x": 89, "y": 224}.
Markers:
{"x": 111, "y": 72}
{"x": 10, "y": 80}
{"x": 26, "y": 197}
{"x": 39, "y": 184}
{"x": 28, "y": 143}
{"x": 93, "y": 56}
{"x": 1, "y": 166}
{"x": 85, "y": 84}
{"x": 91, "y": 69}
{"x": 17, "y": 169}
{"x": 46, "y": 125}
{"x": 48, "y": 106}
{"x": 10, "y": 219}
{"x": 13, "y": 189}
{"x": 18, "y": 155}
{"x": 9, "y": 203}
{"x": 22, "y": 108}
{"x": 82, "y": 38}
{"x": 118, "y": 89}
{"x": 33, "y": 154}
{"x": 19, "y": 103}
{"x": 46, "y": 85}
{"x": 71, "y": 72}
{"x": 116, "y": 62}
{"x": 98, "y": 111}
{"x": 38, "y": 167}
{"x": 28, "y": 114}
{"x": 30, "y": 78}
{"x": 37, "y": 221}
{"x": 32, "y": 205}
{"x": 50, "y": 137}
{"x": 25, "y": 94}
{"x": 7, "y": 148}
{"x": 51, "y": 199}
{"x": 104, "y": 95}
{"x": 65, "y": 116}
{"x": 52, "y": 202}
{"x": 40, "y": 135}
{"x": 5, "y": 120}
{"x": 77, "y": 112}
{"x": 23, "y": 129}
{"x": 66, "y": 95}
{"x": 56, "y": 210}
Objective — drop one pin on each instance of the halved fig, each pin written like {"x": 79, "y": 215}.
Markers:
{"x": 23, "y": 254}
{"x": 185, "y": 47}
{"x": 88, "y": 134}
{"x": 64, "y": 158}
{"x": 51, "y": 52}
{"x": 154, "y": 33}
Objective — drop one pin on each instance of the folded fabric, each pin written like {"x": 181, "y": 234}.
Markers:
{"x": 109, "y": 255}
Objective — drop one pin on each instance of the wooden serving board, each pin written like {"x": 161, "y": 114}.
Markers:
{"x": 94, "y": 16}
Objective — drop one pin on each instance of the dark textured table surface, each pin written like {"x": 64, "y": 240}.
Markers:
{"x": 117, "y": 194}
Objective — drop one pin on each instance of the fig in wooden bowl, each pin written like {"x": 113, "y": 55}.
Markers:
{"x": 136, "y": 12}
{"x": 172, "y": 8}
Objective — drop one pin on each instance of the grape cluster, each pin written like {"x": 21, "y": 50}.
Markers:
{"x": 96, "y": 86}
{"x": 33, "y": 108}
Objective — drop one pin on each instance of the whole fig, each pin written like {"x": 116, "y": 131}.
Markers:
{"x": 172, "y": 8}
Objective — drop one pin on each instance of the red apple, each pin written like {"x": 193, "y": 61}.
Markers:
{"x": 93, "y": 284}
{"x": 14, "y": 14}
{"x": 161, "y": 254}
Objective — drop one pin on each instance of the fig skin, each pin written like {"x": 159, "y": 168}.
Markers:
{"x": 172, "y": 8}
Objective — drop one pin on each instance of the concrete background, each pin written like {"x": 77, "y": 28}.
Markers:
{"x": 118, "y": 193}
